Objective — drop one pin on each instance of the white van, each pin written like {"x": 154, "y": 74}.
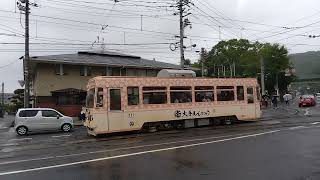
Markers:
{"x": 41, "y": 119}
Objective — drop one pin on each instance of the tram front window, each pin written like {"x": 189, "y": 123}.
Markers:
{"x": 99, "y": 97}
{"x": 90, "y": 98}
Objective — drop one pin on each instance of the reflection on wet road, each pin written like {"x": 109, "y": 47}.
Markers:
{"x": 284, "y": 149}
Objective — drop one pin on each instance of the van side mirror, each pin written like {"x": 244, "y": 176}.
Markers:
{"x": 58, "y": 116}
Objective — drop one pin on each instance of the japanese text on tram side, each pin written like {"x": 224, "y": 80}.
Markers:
{"x": 191, "y": 113}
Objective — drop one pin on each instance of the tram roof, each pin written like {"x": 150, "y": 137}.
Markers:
{"x": 143, "y": 77}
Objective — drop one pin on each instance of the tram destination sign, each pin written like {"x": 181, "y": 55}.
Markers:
{"x": 191, "y": 113}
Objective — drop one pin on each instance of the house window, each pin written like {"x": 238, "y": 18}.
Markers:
{"x": 59, "y": 69}
{"x": 115, "y": 71}
{"x": 85, "y": 71}
{"x": 151, "y": 73}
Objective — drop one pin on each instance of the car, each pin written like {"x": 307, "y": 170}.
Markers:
{"x": 318, "y": 97}
{"x": 41, "y": 119}
{"x": 307, "y": 100}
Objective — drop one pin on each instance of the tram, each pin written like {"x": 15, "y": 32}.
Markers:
{"x": 118, "y": 104}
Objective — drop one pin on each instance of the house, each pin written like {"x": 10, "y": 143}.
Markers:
{"x": 59, "y": 81}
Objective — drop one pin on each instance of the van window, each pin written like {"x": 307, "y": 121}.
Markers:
{"x": 49, "y": 113}
{"x": 28, "y": 113}
{"x": 99, "y": 97}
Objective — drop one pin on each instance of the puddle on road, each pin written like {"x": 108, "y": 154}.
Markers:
{"x": 8, "y": 149}
{"x": 270, "y": 122}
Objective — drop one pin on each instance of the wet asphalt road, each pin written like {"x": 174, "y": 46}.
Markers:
{"x": 275, "y": 149}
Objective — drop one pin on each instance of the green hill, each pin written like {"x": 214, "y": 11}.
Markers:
{"x": 307, "y": 64}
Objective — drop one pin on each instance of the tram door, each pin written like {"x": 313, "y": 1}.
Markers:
{"x": 115, "y": 114}
{"x": 251, "y": 104}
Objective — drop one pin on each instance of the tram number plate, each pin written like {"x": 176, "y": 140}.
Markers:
{"x": 191, "y": 113}
{"x": 130, "y": 115}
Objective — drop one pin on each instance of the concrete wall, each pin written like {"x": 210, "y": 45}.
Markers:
{"x": 46, "y": 80}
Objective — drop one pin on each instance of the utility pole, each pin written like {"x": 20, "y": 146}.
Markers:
{"x": 181, "y": 34}
{"x": 262, "y": 75}
{"x": 277, "y": 84}
{"x": 23, "y": 6}
{"x": 26, "y": 58}
{"x": 2, "y": 94}
{"x": 183, "y": 23}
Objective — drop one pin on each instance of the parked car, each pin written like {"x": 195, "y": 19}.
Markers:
{"x": 318, "y": 97}
{"x": 41, "y": 119}
{"x": 307, "y": 100}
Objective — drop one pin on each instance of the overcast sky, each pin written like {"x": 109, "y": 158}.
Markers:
{"x": 57, "y": 25}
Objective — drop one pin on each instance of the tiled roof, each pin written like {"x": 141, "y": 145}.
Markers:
{"x": 105, "y": 58}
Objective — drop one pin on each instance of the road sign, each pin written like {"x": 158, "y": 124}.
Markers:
{"x": 21, "y": 82}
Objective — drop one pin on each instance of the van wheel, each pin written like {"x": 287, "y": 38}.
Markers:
{"x": 22, "y": 130}
{"x": 66, "y": 127}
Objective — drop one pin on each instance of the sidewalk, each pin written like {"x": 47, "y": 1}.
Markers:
{"x": 288, "y": 111}
{"x": 6, "y": 122}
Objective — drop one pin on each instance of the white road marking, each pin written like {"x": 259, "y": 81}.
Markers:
{"x": 118, "y": 149}
{"x": 66, "y": 135}
{"x": 135, "y": 154}
{"x": 4, "y": 127}
{"x": 9, "y": 144}
{"x": 297, "y": 127}
{"x": 314, "y": 123}
{"x": 21, "y": 139}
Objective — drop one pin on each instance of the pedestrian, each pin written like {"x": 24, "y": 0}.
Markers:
{"x": 286, "y": 98}
{"x": 82, "y": 115}
{"x": 274, "y": 101}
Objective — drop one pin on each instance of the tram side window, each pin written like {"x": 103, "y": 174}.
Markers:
{"x": 250, "y": 96}
{"x": 180, "y": 94}
{"x": 99, "y": 97}
{"x": 90, "y": 98}
{"x": 225, "y": 93}
{"x": 240, "y": 93}
{"x": 204, "y": 93}
{"x": 154, "y": 95}
{"x": 133, "y": 95}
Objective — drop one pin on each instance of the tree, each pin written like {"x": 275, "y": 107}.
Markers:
{"x": 17, "y": 99}
{"x": 245, "y": 56}
{"x": 227, "y": 53}
{"x": 187, "y": 62}
{"x": 276, "y": 61}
